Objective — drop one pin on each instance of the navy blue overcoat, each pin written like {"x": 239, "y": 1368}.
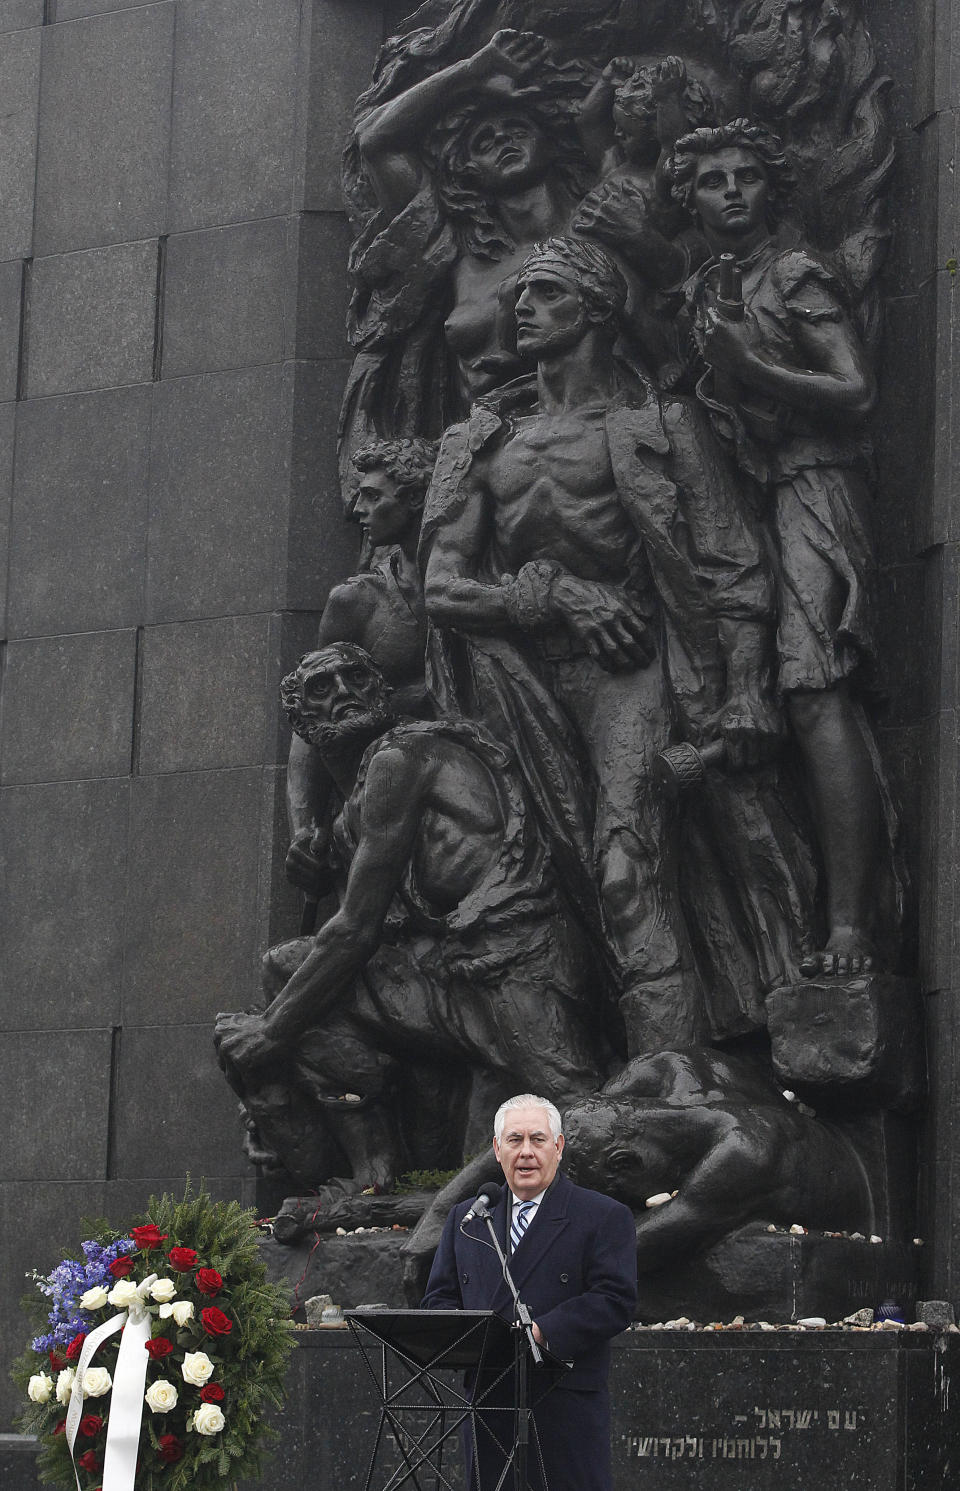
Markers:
{"x": 576, "y": 1269}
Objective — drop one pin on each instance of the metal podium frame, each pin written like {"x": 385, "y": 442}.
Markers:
{"x": 412, "y": 1348}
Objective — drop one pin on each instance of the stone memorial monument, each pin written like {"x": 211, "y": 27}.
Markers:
{"x": 631, "y": 840}
{"x": 546, "y": 682}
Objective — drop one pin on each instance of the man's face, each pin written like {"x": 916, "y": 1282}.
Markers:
{"x": 506, "y": 152}
{"x": 551, "y": 314}
{"x": 384, "y": 516}
{"x": 528, "y": 1152}
{"x": 342, "y": 702}
{"x": 620, "y": 1148}
{"x": 730, "y": 192}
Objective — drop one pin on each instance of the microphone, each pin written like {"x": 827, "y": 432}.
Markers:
{"x": 487, "y": 1198}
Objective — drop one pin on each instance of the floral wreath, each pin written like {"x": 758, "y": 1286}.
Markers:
{"x": 160, "y": 1348}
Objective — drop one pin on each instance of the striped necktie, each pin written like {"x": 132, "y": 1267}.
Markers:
{"x": 520, "y": 1222}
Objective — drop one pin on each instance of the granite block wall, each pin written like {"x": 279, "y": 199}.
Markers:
{"x": 919, "y": 525}
{"x": 172, "y": 352}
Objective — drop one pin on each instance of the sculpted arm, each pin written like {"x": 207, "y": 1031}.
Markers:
{"x": 391, "y": 816}
{"x": 837, "y": 380}
{"x": 453, "y": 597}
{"x": 603, "y": 617}
{"x": 309, "y": 794}
{"x": 595, "y": 121}
{"x": 391, "y": 135}
{"x": 724, "y": 1189}
{"x": 619, "y": 213}
{"x": 309, "y": 785}
{"x": 748, "y": 720}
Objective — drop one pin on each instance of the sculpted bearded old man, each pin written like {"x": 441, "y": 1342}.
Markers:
{"x": 447, "y": 958}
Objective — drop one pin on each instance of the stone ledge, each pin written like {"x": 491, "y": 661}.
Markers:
{"x": 18, "y": 1469}
{"x": 761, "y": 1275}
{"x": 829, "y": 1407}
{"x": 850, "y": 1408}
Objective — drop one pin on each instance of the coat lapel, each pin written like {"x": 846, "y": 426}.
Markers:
{"x": 550, "y": 1222}
{"x": 488, "y": 1264}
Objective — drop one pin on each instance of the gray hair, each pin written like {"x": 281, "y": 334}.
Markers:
{"x": 527, "y": 1100}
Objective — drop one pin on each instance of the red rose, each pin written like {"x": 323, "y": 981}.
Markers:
{"x": 60, "y": 1428}
{"x": 148, "y": 1237}
{"x": 208, "y": 1281}
{"x": 57, "y": 1361}
{"x": 90, "y": 1425}
{"x": 159, "y": 1347}
{"x": 215, "y": 1323}
{"x": 76, "y": 1346}
{"x": 169, "y": 1449}
{"x": 212, "y": 1393}
{"x": 182, "y": 1259}
{"x": 121, "y": 1267}
{"x": 88, "y": 1461}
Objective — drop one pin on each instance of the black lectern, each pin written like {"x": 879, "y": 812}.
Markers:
{"x": 414, "y": 1358}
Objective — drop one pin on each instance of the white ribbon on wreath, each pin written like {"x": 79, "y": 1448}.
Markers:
{"x": 126, "y": 1396}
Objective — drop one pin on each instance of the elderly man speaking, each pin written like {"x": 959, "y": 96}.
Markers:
{"x": 573, "y": 1256}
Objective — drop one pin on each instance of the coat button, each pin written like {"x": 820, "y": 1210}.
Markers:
{"x": 564, "y": 1278}
{"x": 465, "y": 1278}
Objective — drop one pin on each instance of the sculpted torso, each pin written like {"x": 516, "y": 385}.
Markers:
{"x": 460, "y": 822}
{"x": 552, "y": 496}
{"x": 473, "y": 328}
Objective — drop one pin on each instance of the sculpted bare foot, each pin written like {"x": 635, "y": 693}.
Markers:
{"x": 849, "y": 952}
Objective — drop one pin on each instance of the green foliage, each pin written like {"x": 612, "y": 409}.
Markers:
{"x": 250, "y": 1361}
{"x": 423, "y": 1180}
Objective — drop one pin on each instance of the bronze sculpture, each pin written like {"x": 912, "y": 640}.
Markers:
{"x": 715, "y": 1134}
{"x": 447, "y": 955}
{"x": 645, "y": 559}
{"x": 630, "y": 590}
{"x": 379, "y": 609}
{"x": 796, "y": 388}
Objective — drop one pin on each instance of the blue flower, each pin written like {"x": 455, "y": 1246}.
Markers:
{"x": 72, "y": 1278}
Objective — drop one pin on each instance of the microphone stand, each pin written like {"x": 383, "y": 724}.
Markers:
{"x": 523, "y": 1317}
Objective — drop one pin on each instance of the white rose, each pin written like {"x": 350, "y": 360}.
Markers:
{"x": 163, "y": 1291}
{"x": 96, "y": 1382}
{"x": 124, "y": 1294}
{"x": 94, "y": 1299}
{"x": 39, "y": 1388}
{"x": 208, "y": 1419}
{"x": 65, "y": 1381}
{"x": 182, "y": 1312}
{"x": 197, "y": 1368}
{"x": 161, "y": 1396}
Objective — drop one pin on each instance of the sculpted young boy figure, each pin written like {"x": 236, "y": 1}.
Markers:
{"x": 379, "y": 609}
{"x": 790, "y": 385}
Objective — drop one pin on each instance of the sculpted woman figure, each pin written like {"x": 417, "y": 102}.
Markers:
{"x": 469, "y": 168}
